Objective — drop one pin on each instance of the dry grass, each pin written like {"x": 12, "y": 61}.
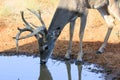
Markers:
{"x": 4, "y": 11}
{"x": 8, "y": 7}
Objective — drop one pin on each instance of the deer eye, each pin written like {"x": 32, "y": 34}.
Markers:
{"x": 46, "y": 47}
{"x": 58, "y": 28}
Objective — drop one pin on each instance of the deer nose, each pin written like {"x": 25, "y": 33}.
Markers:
{"x": 43, "y": 61}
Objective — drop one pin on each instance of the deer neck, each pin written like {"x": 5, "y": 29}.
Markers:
{"x": 59, "y": 20}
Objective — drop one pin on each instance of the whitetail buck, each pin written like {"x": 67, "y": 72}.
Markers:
{"x": 67, "y": 12}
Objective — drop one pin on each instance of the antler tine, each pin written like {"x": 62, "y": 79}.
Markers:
{"x": 26, "y": 23}
{"x": 18, "y": 35}
{"x": 22, "y": 15}
{"x": 38, "y": 16}
{"x": 39, "y": 30}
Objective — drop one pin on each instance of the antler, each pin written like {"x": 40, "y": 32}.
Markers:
{"x": 34, "y": 31}
{"x": 38, "y": 15}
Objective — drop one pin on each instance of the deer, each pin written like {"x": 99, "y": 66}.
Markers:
{"x": 67, "y": 12}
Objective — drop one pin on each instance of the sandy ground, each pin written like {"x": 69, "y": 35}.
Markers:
{"x": 93, "y": 38}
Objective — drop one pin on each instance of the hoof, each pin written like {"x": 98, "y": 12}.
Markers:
{"x": 42, "y": 62}
{"x": 66, "y": 58}
{"x": 99, "y": 52}
{"x": 79, "y": 62}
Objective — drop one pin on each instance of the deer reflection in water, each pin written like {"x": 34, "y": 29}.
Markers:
{"x": 46, "y": 75}
{"x": 68, "y": 66}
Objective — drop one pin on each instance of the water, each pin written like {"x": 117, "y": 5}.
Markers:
{"x": 29, "y": 68}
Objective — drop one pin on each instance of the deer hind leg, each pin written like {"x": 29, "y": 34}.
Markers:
{"x": 102, "y": 48}
{"x": 81, "y": 34}
{"x": 79, "y": 66}
{"x": 68, "y": 52}
{"x": 110, "y": 21}
{"x": 68, "y": 66}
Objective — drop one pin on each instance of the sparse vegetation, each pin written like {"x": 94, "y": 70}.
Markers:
{"x": 32, "y": 4}
{"x": 4, "y": 11}
{"x": 7, "y": 7}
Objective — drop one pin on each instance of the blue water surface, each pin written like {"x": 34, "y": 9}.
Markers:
{"x": 29, "y": 68}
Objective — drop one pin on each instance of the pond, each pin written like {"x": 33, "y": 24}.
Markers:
{"x": 29, "y": 68}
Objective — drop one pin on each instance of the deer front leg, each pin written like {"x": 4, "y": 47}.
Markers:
{"x": 68, "y": 53}
{"x": 81, "y": 34}
{"x": 79, "y": 66}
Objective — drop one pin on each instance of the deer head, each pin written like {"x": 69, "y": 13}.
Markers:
{"x": 40, "y": 32}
